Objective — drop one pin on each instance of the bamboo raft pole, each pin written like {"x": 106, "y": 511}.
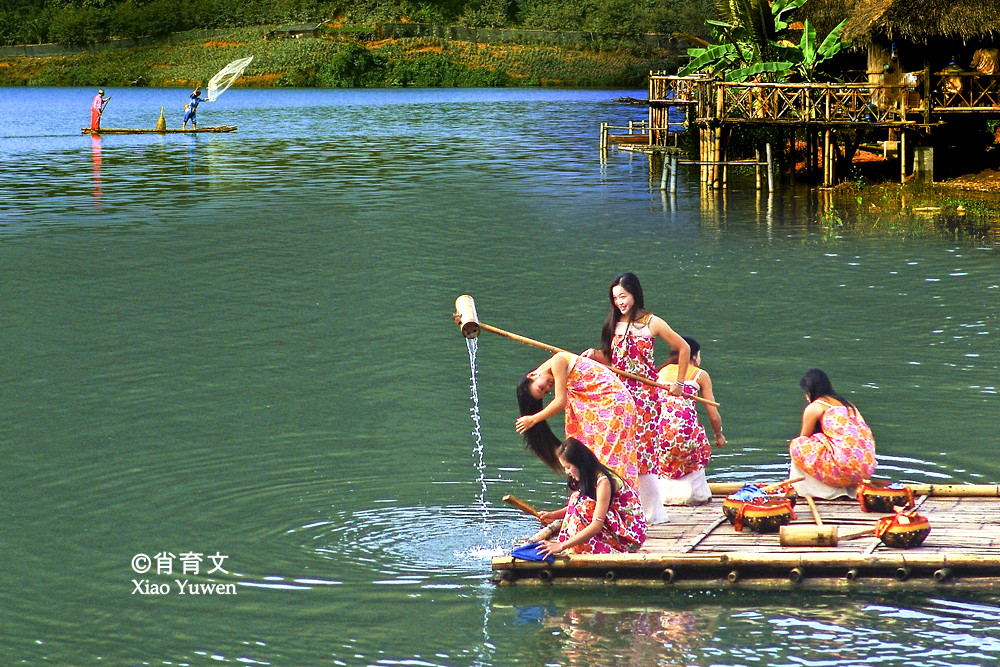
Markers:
{"x": 949, "y": 490}
{"x": 468, "y": 319}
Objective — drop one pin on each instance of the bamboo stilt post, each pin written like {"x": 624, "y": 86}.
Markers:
{"x": 716, "y": 158}
{"x": 770, "y": 169}
{"x": 703, "y": 154}
{"x": 902, "y": 156}
{"x": 927, "y": 94}
{"x": 604, "y": 136}
{"x": 674, "y": 163}
{"x": 833, "y": 158}
{"x": 756, "y": 168}
{"x": 663, "y": 176}
{"x": 724, "y": 134}
{"x": 826, "y": 158}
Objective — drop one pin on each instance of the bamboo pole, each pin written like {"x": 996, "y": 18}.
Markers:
{"x": 756, "y": 168}
{"x": 902, "y": 155}
{"x": 554, "y": 349}
{"x": 937, "y": 490}
{"x": 724, "y": 138}
{"x": 770, "y": 169}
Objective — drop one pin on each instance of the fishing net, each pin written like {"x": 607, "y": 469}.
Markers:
{"x": 225, "y": 78}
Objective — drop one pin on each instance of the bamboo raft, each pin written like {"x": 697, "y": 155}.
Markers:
{"x": 127, "y": 130}
{"x": 699, "y": 548}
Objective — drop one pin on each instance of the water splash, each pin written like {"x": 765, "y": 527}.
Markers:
{"x": 473, "y": 344}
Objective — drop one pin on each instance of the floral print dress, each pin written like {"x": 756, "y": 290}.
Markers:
{"x": 632, "y": 352}
{"x": 842, "y": 454}
{"x": 624, "y": 525}
{"x": 600, "y": 413}
{"x": 685, "y": 445}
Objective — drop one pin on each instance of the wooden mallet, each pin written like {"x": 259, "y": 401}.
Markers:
{"x": 815, "y": 536}
{"x": 517, "y": 503}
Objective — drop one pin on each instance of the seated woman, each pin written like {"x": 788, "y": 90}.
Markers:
{"x": 600, "y": 412}
{"x": 835, "y": 450}
{"x": 603, "y": 514}
{"x": 685, "y": 448}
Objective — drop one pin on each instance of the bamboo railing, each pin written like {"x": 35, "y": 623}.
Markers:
{"x": 909, "y": 103}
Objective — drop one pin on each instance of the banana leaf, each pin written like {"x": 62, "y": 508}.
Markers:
{"x": 755, "y": 71}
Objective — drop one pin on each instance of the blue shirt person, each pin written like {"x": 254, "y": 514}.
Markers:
{"x": 191, "y": 109}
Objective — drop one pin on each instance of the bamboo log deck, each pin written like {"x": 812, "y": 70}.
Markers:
{"x": 698, "y": 548}
{"x": 127, "y": 130}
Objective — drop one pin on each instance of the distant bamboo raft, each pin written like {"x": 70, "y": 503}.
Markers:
{"x": 127, "y": 130}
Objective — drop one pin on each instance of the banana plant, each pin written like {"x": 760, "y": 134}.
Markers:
{"x": 751, "y": 44}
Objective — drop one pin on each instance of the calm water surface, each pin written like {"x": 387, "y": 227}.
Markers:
{"x": 239, "y": 346}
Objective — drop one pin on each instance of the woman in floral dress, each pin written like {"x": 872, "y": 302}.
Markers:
{"x": 627, "y": 340}
{"x": 603, "y": 514}
{"x": 599, "y": 411}
{"x": 835, "y": 449}
{"x": 686, "y": 449}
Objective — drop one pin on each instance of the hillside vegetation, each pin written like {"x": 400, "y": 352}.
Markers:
{"x": 333, "y": 61}
{"x": 83, "y": 22}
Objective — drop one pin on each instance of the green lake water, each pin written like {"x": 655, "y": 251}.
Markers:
{"x": 240, "y": 346}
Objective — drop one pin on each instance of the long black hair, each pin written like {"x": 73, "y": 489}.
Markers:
{"x": 539, "y": 438}
{"x": 630, "y": 283}
{"x": 816, "y": 383}
{"x": 575, "y": 452}
{"x": 675, "y": 354}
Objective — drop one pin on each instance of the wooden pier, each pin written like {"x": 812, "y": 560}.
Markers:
{"x": 830, "y": 119}
{"x": 700, "y": 549}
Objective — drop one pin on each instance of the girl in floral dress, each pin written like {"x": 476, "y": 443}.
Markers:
{"x": 603, "y": 514}
{"x": 599, "y": 411}
{"x": 627, "y": 339}
{"x": 686, "y": 450}
{"x": 835, "y": 449}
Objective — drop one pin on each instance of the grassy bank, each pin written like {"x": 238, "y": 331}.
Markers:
{"x": 337, "y": 61}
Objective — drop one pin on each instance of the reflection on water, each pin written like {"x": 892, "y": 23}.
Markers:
{"x": 96, "y": 159}
{"x": 738, "y": 628}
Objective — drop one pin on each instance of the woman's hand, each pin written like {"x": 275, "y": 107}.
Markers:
{"x": 524, "y": 423}
{"x": 720, "y": 440}
{"x": 550, "y": 547}
{"x": 548, "y": 517}
{"x": 676, "y": 389}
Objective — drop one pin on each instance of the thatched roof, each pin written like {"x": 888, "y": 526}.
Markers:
{"x": 920, "y": 20}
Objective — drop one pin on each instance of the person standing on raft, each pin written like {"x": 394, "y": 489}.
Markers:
{"x": 627, "y": 340}
{"x": 686, "y": 449}
{"x": 599, "y": 411}
{"x": 835, "y": 450}
{"x": 97, "y": 109}
{"x": 603, "y": 514}
{"x": 191, "y": 109}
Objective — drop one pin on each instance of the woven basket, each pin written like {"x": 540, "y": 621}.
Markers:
{"x": 762, "y": 516}
{"x": 903, "y": 531}
{"x": 882, "y": 497}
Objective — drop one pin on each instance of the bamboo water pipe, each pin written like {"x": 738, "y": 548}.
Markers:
{"x": 468, "y": 319}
